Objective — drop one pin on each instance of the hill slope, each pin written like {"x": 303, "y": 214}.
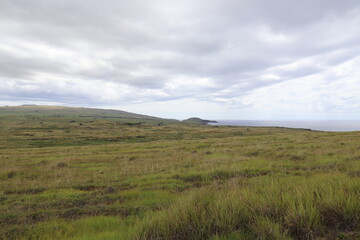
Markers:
{"x": 62, "y": 111}
{"x": 196, "y": 120}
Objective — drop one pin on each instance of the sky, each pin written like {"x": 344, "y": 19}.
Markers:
{"x": 228, "y": 59}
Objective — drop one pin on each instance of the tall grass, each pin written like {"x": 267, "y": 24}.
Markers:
{"x": 287, "y": 209}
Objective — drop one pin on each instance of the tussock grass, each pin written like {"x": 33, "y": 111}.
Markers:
{"x": 286, "y": 210}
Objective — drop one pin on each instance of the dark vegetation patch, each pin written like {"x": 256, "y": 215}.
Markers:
{"x": 297, "y": 157}
{"x": 88, "y": 187}
{"x": 355, "y": 158}
{"x": 62, "y": 165}
{"x": 26, "y": 191}
{"x": 247, "y": 173}
{"x": 220, "y": 175}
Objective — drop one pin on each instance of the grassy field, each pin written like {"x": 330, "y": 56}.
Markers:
{"x": 87, "y": 177}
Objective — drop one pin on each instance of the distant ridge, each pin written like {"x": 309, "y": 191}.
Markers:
{"x": 46, "y": 110}
{"x": 196, "y": 120}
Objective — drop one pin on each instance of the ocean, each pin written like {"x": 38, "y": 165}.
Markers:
{"x": 319, "y": 125}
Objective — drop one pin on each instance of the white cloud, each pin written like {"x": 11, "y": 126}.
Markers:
{"x": 228, "y": 59}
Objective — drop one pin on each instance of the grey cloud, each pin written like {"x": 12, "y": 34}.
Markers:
{"x": 147, "y": 45}
{"x": 26, "y": 67}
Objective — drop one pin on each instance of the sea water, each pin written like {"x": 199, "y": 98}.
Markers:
{"x": 319, "y": 125}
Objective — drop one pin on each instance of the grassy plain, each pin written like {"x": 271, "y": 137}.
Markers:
{"x": 72, "y": 177}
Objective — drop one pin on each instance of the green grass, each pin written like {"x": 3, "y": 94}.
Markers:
{"x": 78, "y": 229}
{"x": 108, "y": 179}
{"x": 266, "y": 208}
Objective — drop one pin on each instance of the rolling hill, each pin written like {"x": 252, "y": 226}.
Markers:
{"x": 62, "y": 111}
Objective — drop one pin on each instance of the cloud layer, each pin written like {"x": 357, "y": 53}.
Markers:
{"x": 221, "y": 59}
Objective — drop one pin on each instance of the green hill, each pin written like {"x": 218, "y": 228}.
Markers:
{"x": 62, "y": 111}
{"x": 196, "y": 120}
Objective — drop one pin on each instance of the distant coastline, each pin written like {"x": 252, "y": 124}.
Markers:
{"x": 196, "y": 120}
{"x": 317, "y": 125}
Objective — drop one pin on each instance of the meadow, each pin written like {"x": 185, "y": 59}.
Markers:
{"x": 88, "y": 177}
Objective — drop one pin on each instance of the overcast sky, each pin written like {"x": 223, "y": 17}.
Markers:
{"x": 228, "y": 59}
